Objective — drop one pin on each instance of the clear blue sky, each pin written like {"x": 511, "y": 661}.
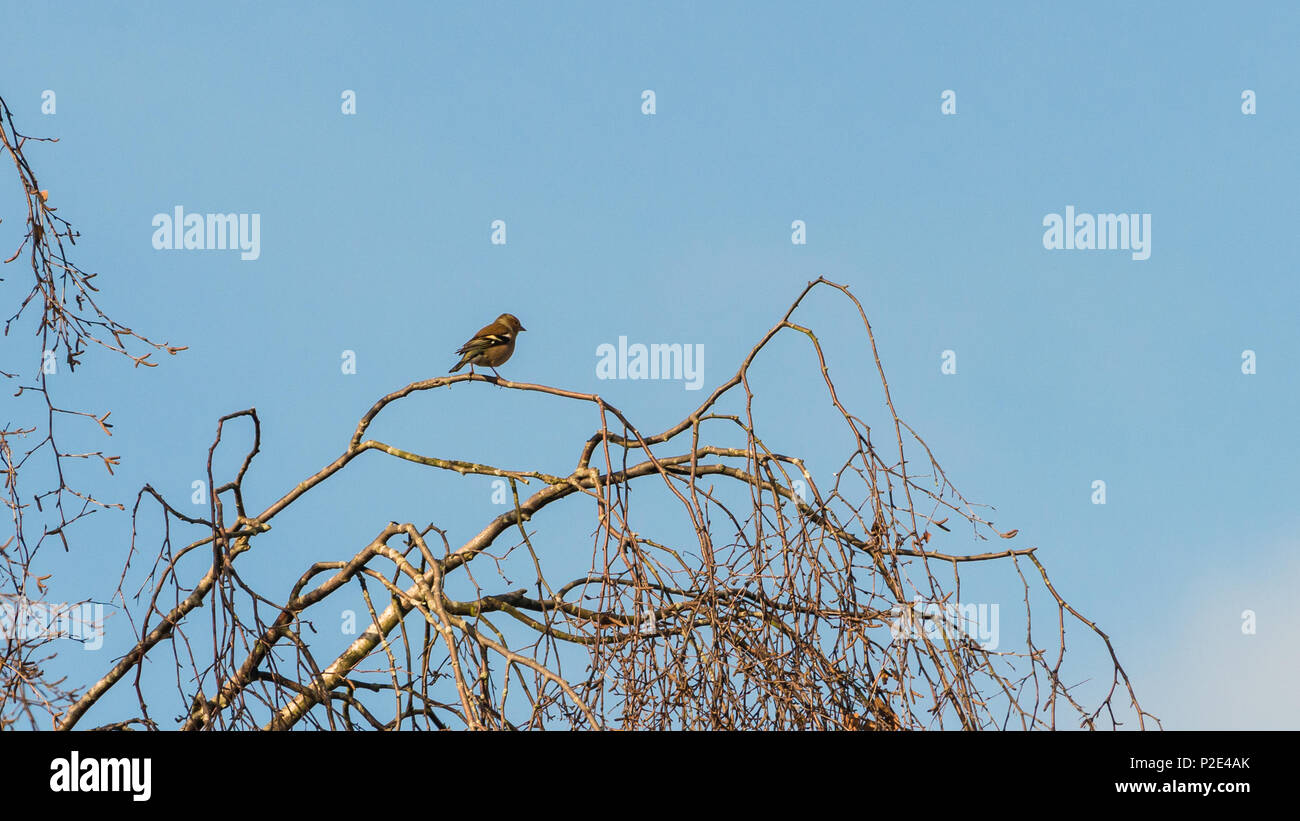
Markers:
{"x": 1073, "y": 366}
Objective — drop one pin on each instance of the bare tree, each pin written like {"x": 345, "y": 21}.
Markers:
{"x": 779, "y": 612}
{"x": 775, "y": 598}
{"x": 69, "y": 322}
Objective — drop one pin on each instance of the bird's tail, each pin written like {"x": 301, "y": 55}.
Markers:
{"x": 465, "y": 357}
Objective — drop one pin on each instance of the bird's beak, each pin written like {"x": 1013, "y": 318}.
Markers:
{"x": 522, "y": 328}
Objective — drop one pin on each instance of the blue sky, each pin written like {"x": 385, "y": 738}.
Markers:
{"x": 1073, "y": 366}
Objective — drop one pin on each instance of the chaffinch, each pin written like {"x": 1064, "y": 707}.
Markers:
{"x": 491, "y": 346}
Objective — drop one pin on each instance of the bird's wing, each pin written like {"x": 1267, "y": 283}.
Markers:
{"x": 487, "y": 336}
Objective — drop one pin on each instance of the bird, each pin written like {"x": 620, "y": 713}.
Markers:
{"x": 491, "y": 346}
